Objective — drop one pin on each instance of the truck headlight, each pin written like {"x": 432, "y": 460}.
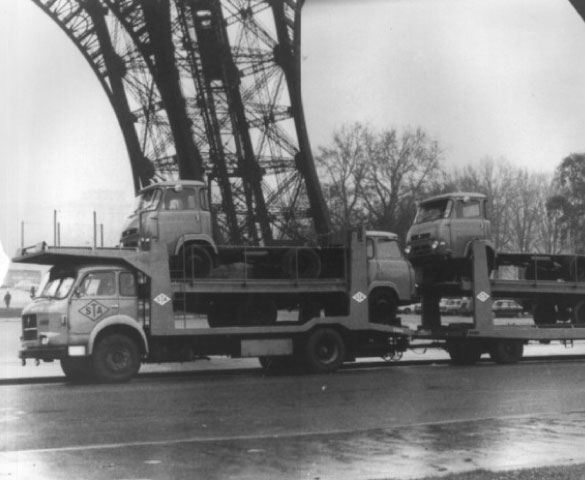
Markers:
{"x": 435, "y": 244}
{"x": 407, "y": 250}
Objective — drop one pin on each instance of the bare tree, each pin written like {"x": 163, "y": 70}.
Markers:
{"x": 342, "y": 167}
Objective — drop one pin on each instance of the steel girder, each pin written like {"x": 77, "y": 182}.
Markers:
{"x": 209, "y": 86}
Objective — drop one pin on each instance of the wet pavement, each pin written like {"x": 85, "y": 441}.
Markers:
{"x": 400, "y": 423}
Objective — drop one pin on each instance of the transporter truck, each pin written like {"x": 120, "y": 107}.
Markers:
{"x": 103, "y": 312}
{"x": 449, "y": 246}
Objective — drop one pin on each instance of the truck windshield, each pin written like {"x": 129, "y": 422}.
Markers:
{"x": 148, "y": 200}
{"x": 58, "y": 287}
{"x": 436, "y": 210}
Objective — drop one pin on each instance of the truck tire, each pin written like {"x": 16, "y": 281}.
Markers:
{"x": 77, "y": 369}
{"x": 464, "y": 352}
{"x": 221, "y": 314}
{"x": 256, "y": 310}
{"x": 506, "y": 351}
{"x": 325, "y": 350}
{"x": 115, "y": 359}
{"x": 383, "y": 307}
{"x": 301, "y": 263}
{"x": 198, "y": 261}
{"x": 308, "y": 309}
{"x": 544, "y": 313}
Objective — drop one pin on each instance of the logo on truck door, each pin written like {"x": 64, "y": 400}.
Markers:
{"x": 94, "y": 310}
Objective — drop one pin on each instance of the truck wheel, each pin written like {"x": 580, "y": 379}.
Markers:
{"x": 382, "y": 308}
{"x": 301, "y": 263}
{"x": 221, "y": 314}
{"x": 308, "y": 309}
{"x": 257, "y": 310}
{"x": 464, "y": 352}
{"x": 506, "y": 351}
{"x": 77, "y": 369}
{"x": 325, "y": 350}
{"x": 544, "y": 314}
{"x": 115, "y": 359}
{"x": 198, "y": 261}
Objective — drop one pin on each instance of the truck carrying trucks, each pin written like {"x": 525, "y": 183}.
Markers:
{"x": 450, "y": 247}
{"x": 104, "y": 311}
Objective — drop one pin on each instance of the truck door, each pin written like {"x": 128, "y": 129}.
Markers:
{"x": 468, "y": 223}
{"x": 95, "y": 299}
{"x": 179, "y": 215}
{"x": 389, "y": 265}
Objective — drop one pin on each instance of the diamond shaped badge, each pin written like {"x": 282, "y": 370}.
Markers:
{"x": 359, "y": 297}
{"x": 94, "y": 310}
{"x": 162, "y": 299}
{"x": 482, "y": 296}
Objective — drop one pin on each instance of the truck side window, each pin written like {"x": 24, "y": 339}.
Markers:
{"x": 203, "y": 199}
{"x": 370, "y": 248}
{"x": 471, "y": 210}
{"x": 173, "y": 200}
{"x": 98, "y": 283}
{"x": 127, "y": 284}
{"x": 388, "y": 249}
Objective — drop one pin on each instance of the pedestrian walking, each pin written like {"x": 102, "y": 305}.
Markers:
{"x": 7, "y": 299}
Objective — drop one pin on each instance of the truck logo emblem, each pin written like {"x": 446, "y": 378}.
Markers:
{"x": 359, "y": 297}
{"x": 482, "y": 296}
{"x": 162, "y": 299}
{"x": 94, "y": 310}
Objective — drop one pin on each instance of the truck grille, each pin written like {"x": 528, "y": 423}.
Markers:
{"x": 420, "y": 236}
{"x": 29, "y": 327}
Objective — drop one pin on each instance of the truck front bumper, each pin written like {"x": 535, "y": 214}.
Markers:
{"x": 46, "y": 354}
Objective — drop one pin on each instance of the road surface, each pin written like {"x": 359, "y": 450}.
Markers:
{"x": 371, "y": 423}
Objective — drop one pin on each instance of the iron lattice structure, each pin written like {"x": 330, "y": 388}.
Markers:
{"x": 209, "y": 90}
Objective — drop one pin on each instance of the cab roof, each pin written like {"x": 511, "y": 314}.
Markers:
{"x": 173, "y": 183}
{"x": 457, "y": 195}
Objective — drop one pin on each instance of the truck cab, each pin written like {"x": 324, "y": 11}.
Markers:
{"x": 176, "y": 213}
{"x": 445, "y": 226}
{"x": 85, "y": 310}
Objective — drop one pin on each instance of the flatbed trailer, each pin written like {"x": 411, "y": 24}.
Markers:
{"x": 558, "y": 307}
{"x": 156, "y": 326}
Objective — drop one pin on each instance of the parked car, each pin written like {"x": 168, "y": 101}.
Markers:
{"x": 407, "y": 309}
{"x": 507, "y": 308}
{"x": 466, "y": 307}
{"x": 450, "y": 306}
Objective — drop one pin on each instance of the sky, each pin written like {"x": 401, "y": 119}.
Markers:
{"x": 497, "y": 78}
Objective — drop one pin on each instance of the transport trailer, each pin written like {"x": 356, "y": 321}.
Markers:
{"x": 105, "y": 311}
{"x": 556, "y": 297}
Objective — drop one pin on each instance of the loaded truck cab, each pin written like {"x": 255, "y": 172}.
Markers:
{"x": 445, "y": 227}
{"x": 177, "y": 214}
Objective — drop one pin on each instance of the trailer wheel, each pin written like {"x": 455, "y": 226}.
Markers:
{"x": 257, "y": 310}
{"x": 77, "y": 369}
{"x": 325, "y": 350}
{"x": 464, "y": 352}
{"x": 383, "y": 307}
{"x": 115, "y": 359}
{"x": 544, "y": 313}
{"x": 198, "y": 261}
{"x": 301, "y": 263}
{"x": 506, "y": 351}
